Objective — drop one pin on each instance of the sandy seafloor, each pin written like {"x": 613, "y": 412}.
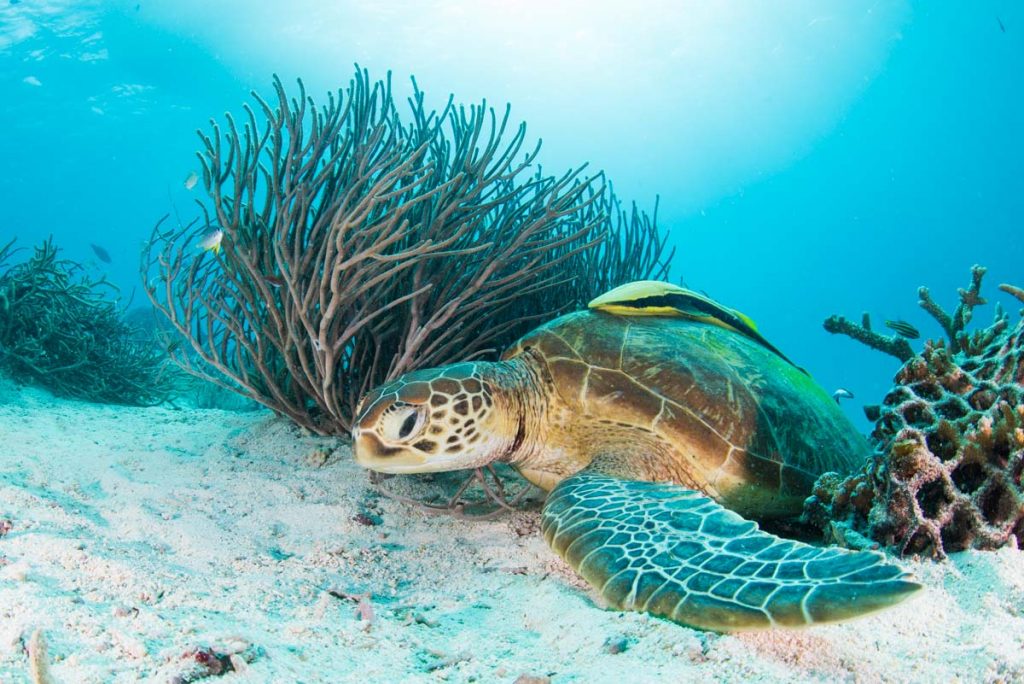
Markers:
{"x": 141, "y": 536}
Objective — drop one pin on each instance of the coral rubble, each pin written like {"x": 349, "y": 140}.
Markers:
{"x": 949, "y": 442}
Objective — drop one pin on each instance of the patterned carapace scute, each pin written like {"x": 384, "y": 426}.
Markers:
{"x": 949, "y": 453}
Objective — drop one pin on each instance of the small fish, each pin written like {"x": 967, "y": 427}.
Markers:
{"x": 903, "y": 328}
{"x": 842, "y": 393}
{"x": 1001, "y": 26}
{"x": 32, "y": 81}
{"x": 211, "y": 242}
{"x": 191, "y": 181}
{"x": 101, "y": 253}
{"x": 276, "y": 281}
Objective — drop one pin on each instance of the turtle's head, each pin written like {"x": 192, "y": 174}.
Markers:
{"x": 428, "y": 421}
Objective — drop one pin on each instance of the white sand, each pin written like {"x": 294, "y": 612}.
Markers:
{"x": 141, "y": 535}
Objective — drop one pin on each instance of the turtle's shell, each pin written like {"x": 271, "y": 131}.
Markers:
{"x": 755, "y": 430}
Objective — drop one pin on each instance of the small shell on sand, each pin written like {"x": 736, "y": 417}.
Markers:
{"x": 38, "y": 660}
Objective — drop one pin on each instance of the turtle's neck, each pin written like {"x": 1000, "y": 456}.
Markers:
{"x": 521, "y": 387}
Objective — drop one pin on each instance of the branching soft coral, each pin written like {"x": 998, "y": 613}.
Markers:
{"x": 359, "y": 244}
{"x": 59, "y": 329}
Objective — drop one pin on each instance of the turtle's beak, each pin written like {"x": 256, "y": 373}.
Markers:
{"x": 371, "y": 453}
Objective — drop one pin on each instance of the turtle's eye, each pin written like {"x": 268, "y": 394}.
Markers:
{"x": 407, "y": 425}
{"x": 402, "y": 423}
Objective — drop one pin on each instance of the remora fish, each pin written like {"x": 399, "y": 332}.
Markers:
{"x": 903, "y": 328}
{"x": 655, "y": 298}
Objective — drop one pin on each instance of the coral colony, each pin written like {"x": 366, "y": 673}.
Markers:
{"x": 59, "y": 329}
{"x": 356, "y": 244}
{"x": 949, "y": 440}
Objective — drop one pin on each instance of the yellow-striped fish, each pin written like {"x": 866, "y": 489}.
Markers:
{"x": 211, "y": 241}
{"x": 655, "y": 298}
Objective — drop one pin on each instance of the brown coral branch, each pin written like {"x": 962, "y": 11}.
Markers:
{"x": 969, "y": 298}
{"x": 894, "y": 345}
{"x": 1014, "y": 291}
{"x": 955, "y": 325}
{"x": 944, "y": 319}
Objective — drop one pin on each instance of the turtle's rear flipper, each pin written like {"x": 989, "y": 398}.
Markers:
{"x": 676, "y": 553}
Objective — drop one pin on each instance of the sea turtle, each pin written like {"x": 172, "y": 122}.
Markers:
{"x": 659, "y": 420}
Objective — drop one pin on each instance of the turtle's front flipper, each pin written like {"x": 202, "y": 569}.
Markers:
{"x": 676, "y": 553}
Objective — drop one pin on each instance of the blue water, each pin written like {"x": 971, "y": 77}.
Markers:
{"x": 811, "y": 158}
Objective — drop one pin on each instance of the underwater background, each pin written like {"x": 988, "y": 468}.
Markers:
{"x": 807, "y": 159}
{"x": 810, "y": 158}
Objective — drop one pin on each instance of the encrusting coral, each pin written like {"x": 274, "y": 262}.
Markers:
{"x": 352, "y": 244}
{"x": 949, "y": 441}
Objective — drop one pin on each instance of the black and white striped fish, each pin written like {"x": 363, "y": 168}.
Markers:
{"x": 903, "y": 328}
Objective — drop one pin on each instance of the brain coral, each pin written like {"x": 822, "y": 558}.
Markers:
{"x": 946, "y": 471}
